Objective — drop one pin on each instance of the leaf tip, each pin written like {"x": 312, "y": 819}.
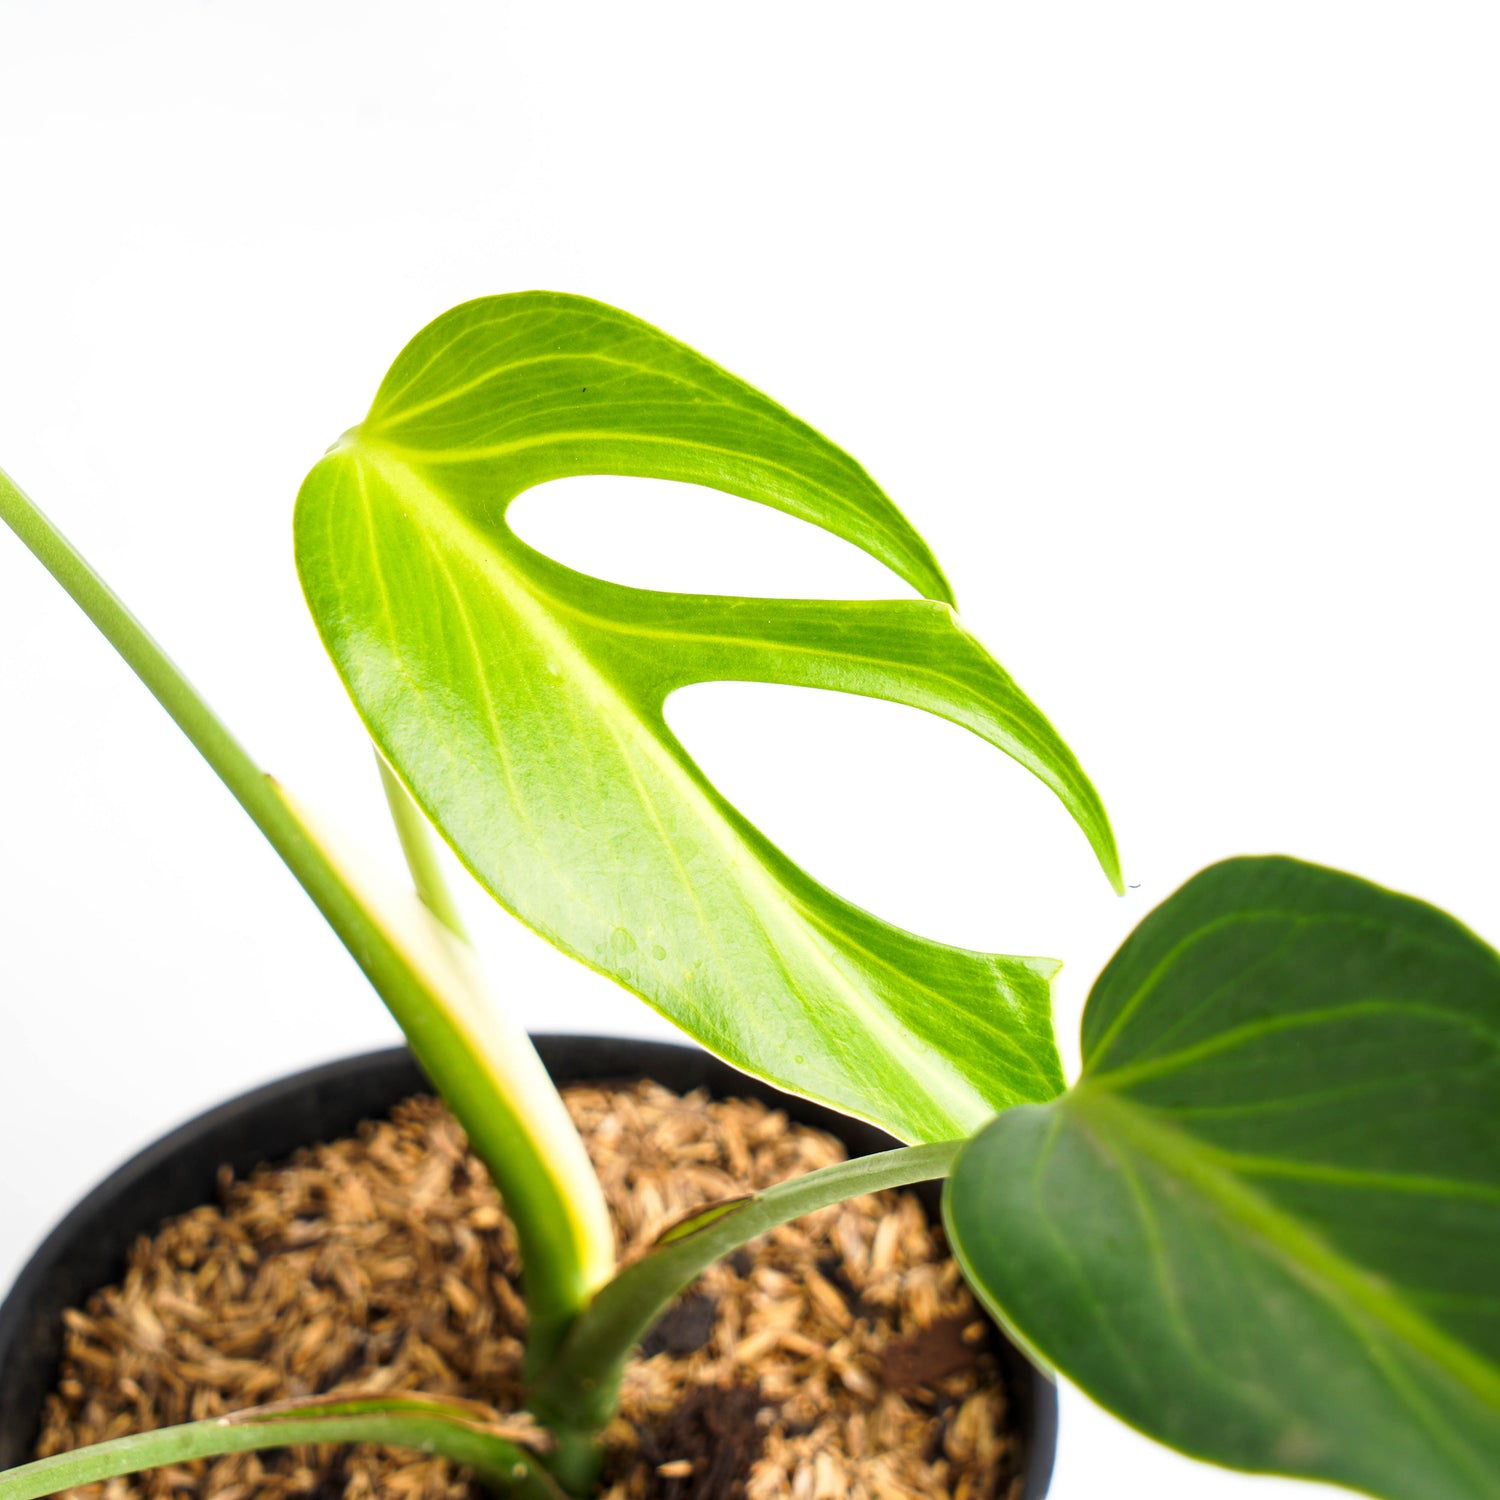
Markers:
{"x": 933, "y": 582}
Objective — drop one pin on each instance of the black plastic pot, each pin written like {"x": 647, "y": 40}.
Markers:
{"x": 88, "y": 1249}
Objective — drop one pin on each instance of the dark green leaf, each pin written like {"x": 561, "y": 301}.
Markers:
{"x": 521, "y": 704}
{"x": 1265, "y": 1226}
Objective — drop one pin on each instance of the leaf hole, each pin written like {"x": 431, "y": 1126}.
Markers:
{"x": 900, "y": 812}
{"x": 689, "y": 539}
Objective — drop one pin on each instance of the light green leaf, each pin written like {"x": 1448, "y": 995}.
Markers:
{"x": 1265, "y": 1226}
{"x": 521, "y": 703}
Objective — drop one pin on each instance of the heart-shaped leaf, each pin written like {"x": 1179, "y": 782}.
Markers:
{"x": 521, "y": 703}
{"x": 1265, "y": 1226}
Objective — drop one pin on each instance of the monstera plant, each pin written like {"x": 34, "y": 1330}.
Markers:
{"x": 1264, "y": 1224}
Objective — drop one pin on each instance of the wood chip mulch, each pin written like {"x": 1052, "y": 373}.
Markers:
{"x": 839, "y": 1356}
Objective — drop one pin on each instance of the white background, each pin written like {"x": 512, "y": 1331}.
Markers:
{"x": 1173, "y": 327}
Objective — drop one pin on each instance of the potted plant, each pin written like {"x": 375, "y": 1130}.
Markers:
{"x": 1261, "y": 1226}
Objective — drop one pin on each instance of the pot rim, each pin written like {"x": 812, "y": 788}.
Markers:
{"x": 86, "y": 1249}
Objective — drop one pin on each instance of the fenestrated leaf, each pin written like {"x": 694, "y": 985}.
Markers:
{"x": 1265, "y": 1226}
{"x": 521, "y": 703}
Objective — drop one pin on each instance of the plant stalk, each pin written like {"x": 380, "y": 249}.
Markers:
{"x": 451, "y": 1429}
{"x": 421, "y": 856}
{"x": 486, "y": 1070}
{"x": 579, "y": 1393}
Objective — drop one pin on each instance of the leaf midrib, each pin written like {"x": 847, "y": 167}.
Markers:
{"x": 1304, "y": 1254}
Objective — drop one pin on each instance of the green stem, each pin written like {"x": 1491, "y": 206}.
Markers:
{"x": 579, "y": 1392}
{"x": 421, "y": 856}
{"x": 451, "y": 1429}
{"x": 576, "y": 1462}
{"x": 485, "y": 1067}
{"x": 529, "y": 1087}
